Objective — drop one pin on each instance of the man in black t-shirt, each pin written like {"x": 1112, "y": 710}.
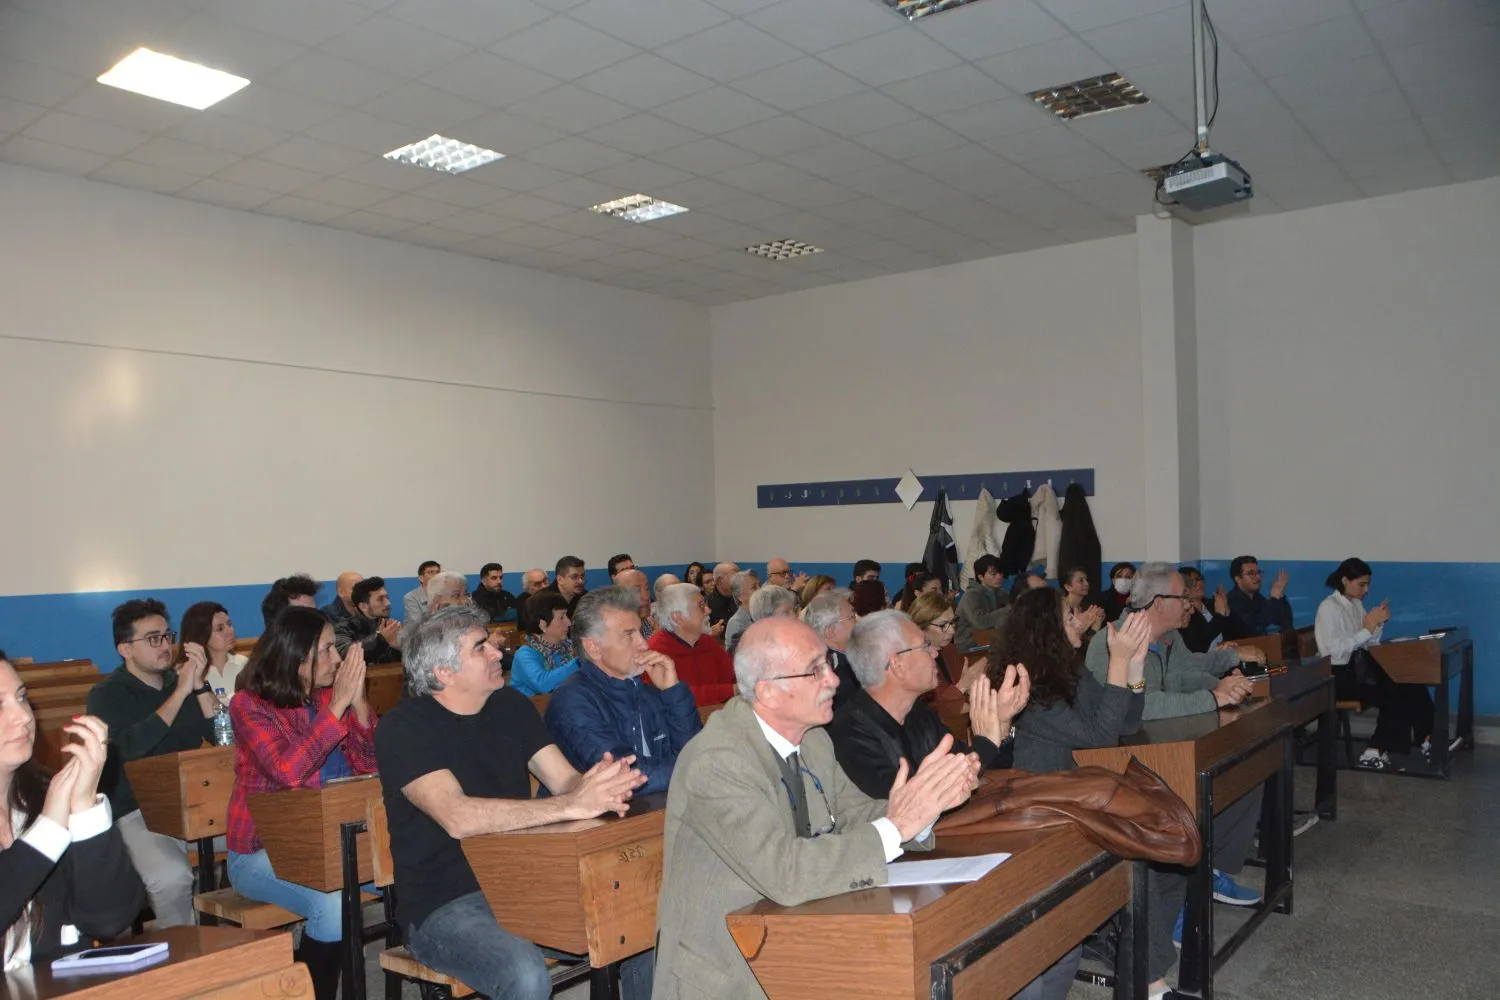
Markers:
{"x": 455, "y": 760}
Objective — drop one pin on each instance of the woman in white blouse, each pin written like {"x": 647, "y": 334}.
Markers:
{"x": 64, "y": 873}
{"x": 1344, "y": 630}
{"x": 207, "y": 624}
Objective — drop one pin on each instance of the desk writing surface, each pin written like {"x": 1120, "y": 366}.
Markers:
{"x": 1419, "y": 659}
{"x": 199, "y": 959}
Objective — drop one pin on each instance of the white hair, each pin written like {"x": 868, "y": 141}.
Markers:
{"x": 768, "y": 601}
{"x": 676, "y": 599}
{"x": 663, "y": 582}
{"x": 874, "y": 640}
{"x": 740, "y": 581}
{"x": 433, "y": 643}
{"x": 725, "y": 569}
{"x": 442, "y": 581}
{"x": 1151, "y": 580}
{"x": 588, "y": 619}
{"x": 762, "y": 653}
{"x": 823, "y": 611}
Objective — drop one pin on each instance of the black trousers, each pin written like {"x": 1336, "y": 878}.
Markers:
{"x": 1405, "y": 710}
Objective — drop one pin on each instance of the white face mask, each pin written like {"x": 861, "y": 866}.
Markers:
{"x": 1122, "y": 584}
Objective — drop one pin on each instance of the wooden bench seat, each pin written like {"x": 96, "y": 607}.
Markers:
{"x": 229, "y": 907}
{"x": 398, "y": 961}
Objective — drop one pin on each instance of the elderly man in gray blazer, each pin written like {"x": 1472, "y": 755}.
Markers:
{"x": 759, "y": 809}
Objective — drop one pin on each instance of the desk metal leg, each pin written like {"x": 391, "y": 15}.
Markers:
{"x": 1132, "y": 955}
{"x": 353, "y": 915}
{"x": 1279, "y": 848}
{"x": 1196, "y": 967}
{"x": 207, "y": 877}
{"x": 1327, "y": 793}
{"x": 1440, "y": 731}
{"x": 1466, "y": 699}
{"x": 604, "y": 983}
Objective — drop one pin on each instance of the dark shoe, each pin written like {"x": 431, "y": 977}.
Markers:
{"x": 434, "y": 991}
{"x": 323, "y": 960}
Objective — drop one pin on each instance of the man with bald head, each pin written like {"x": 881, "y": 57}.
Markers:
{"x": 634, "y": 579}
{"x": 533, "y": 581}
{"x": 758, "y": 808}
{"x": 721, "y": 602}
{"x": 779, "y": 574}
{"x": 342, "y": 605}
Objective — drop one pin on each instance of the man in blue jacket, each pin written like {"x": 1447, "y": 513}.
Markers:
{"x": 606, "y": 708}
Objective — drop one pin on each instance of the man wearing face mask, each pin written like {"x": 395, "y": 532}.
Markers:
{"x": 984, "y": 605}
{"x": 605, "y": 708}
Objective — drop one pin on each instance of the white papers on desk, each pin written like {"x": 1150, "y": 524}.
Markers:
{"x": 942, "y": 871}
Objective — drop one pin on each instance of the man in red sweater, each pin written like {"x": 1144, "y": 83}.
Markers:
{"x": 681, "y": 634}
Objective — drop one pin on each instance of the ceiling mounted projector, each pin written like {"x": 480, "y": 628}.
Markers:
{"x": 1212, "y": 181}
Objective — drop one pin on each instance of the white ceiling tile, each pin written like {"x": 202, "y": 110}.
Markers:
{"x": 436, "y": 237}
{"x": 887, "y": 58}
{"x": 643, "y": 135}
{"x": 227, "y": 134}
{"x": 1461, "y": 93}
{"x": 528, "y": 208}
{"x": 926, "y": 198}
{"x": 1348, "y": 78}
{"x": 1295, "y": 196}
{"x": 537, "y": 259}
{"x": 1047, "y": 64}
{"x": 987, "y": 29}
{"x": 535, "y": 237}
{"x": 592, "y": 270}
{"x": 997, "y": 119}
{"x": 346, "y": 193}
{"x": 1148, "y": 39}
{"x": 957, "y": 164}
{"x": 564, "y": 48}
{"x": 365, "y": 133}
{"x": 1136, "y": 122}
{"x": 858, "y": 113}
{"x": 479, "y": 223}
{"x": 1075, "y": 166}
{"x": 426, "y": 109}
{"x": 371, "y": 224}
{"x": 1051, "y": 140}
{"x": 699, "y": 193}
{"x": 814, "y": 27}
{"x": 1472, "y": 52}
{"x": 413, "y": 208}
{"x": 816, "y": 194}
{"x": 1394, "y": 133}
{"x": 578, "y": 192}
{"x": 84, "y": 133}
{"x": 222, "y": 44}
{"x": 645, "y": 81}
{"x": 1290, "y": 52}
{"x": 1153, "y": 151}
{"x": 310, "y": 23}
{"x": 877, "y": 180}
{"x": 1359, "y": 109}
{"x": 761, "y": 178}
{"x": 489, "y": 80}
{"x": 586, "y": 223}
{"x": 577, "y": 155}
{"x": 667, "y": 21}
{"x": 1474, "y": 169}
{"x": 75, "y": 43}
{"x": 1377, "y": 185}
{"x": 226, "y": 193}
{"x": 50, "y": 156}
{"x": 16, "y": 115}
{"x": 474, "y": 22}
{"x": 126, "y": 110}
{"x": 1416, "y": 160}
{"x": 301, "y": 209}
{"x": 705, "y": 156}
{"x": 184, "y": 157}
{"x": 1411, "y": 22}
{"x": 637, "y": 237}
{"x": 913, "y": 138}
{"x": 1123, "y": 193}
{"x": 640, "y": 175}
{"x": 1244, "y": 21}
{"x": 779, "y": 135}
{"x": 314, "y": 154}
{"x": 273, "y": 107}
{"x": 951, "y": 89}
{"x": 749, "y": 210}
{"x": 389, "y": 44}
{"x": 729, "y": 51}
{"x": 798, "y": 85}
{"x": 687, "y": 224}
{"x": 1081, "y": 15}
{"x": 572, "y": 109}
{"x": 514, "y": 174}
{"x": 504, "y": 133}
{"x": 162, "y": 180}
{"x": 839, "y": 156}
{"x": 585, "y": 248}
{"x": 23, "y": 81}
{"x": 715, "y": 111}
{"x": 267, "y": 176}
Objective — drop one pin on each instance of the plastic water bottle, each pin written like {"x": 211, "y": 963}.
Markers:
{"x": 223, "y": 727}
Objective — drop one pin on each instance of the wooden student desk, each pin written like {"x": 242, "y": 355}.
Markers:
{"x": 1211, "y": 760}
{"x": 1433, "y": 660}
{"x": 950, "y": 942}
{"x": 587, "y": 887}
{"x": 203, "y": 963}
{"x": 1304, "y": 693}
{"x": 186, "y": 795}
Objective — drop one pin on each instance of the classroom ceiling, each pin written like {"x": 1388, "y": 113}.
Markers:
{"x": 894, "y": 146}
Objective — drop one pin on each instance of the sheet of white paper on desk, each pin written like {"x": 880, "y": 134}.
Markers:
{"x": 943, "y": 871}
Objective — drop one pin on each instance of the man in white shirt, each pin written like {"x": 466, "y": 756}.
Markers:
{"x": 415, "y": 601}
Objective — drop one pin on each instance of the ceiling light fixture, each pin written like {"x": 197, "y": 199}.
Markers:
{"x": 913, "y": 9}
{"x": 638, "y": 208}
{"x": 168, "y": 78}
{"x": 783, "y": 249}
{"x": 450, "y": 156}
{"x": 1094, "y": 96}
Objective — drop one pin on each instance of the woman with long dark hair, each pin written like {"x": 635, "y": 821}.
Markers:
{"x": 301, "y": 720}
{"x": 62, "y": 862}
{"x": 207, "y": 624}
{"x": 1345, "y": 631}
{"x": 693, "y": 574}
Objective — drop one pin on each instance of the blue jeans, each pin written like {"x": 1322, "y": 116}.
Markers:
{"x": 463, "y": 939}
{"x": 252, "y": 877}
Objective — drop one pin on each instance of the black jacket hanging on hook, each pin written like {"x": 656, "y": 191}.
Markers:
{"x": 1020, "y": 537}
{"x": 941, "y": 554}
{"x": 1080, "y": 541}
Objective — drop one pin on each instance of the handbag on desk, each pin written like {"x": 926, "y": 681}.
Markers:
{"x": 1132, "y": 815}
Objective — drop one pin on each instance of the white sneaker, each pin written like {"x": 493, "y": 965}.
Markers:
{"x": 1375, "y": 760}
{"x": 1302, "y": 824}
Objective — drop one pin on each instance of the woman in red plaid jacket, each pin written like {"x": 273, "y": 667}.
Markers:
{"x": 301, "y": 720}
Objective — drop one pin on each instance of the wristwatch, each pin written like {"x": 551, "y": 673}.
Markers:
{"x": 205, "y": 689}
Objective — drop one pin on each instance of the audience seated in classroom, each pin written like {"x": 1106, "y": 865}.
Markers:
{"x": 605, "y": 709}
{"x": 568, "y": 581}
{"x": 1025, "y": 582}
{"x": 1345, "y": 631}
{"x": 298, "y": 590}
{"x": 1207, "y": 626}
{"x": 721, "y": 601}
{"x": 831, "y": 617}
{"x": 760, "y": 809}
{"x": 533, "y": 581}
{"x": 617, "y": 565}
{"x": 918, "y": 582}
{"x": 1250, "y": 611}
{"x": 772, "y": 601}
{"x": 371, "y": 626}
{"x": 693, "y": 573}
{"x": 207, "y": 625}
{"x": 152, "y": 709}
{"x": 1113, "y": 600}
{"x": 983, "y": 604}
{"x": 779, "y": 574}
{"x": 935, "y": 615}
{"x": 1074, "y": 585}
{"x": 814, "y": 586}
{"x": 438, "y": 791}
{"x": 868, "y": 597}
{"x": 492, "y": 598}
{"x": 301, "y": 720}
{"x": 742, "y": 587}
{"x": 342, "y": 605}
{"x": 62, "y": 864}
{"x": 864, "y": 569}
{"x": 682, "y": 636}
{"x": 657, "y": 589}
{"x": 634, "y": 579}
{"x": 414, "y": 602}
{"x": 547, "y": 657}
{"x": 445, "y": 590}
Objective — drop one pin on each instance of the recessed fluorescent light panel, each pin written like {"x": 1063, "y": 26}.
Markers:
{"x": 440, "y": 153}
{"x": 1094, "y": 96}
{"x": 638, "y": 208}
{"x": 913, "y": 9}
{"x": 783, "y": 249}
{"x": 168, "y": 78}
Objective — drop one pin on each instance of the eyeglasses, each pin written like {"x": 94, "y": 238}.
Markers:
{"x": 155, "y": 640}
{"x": 1160, "y": 597}
{"x": 926, "y": 647}
{"x": 792, "y": 801}
{"x": 950, "y": 623}
{"x": 821, "y": 670}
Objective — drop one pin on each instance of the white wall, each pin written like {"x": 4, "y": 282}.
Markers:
{"x": 1349, "y": 358}
{"x": 193, "y": 396}
{"x": 1028, "y": 361}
